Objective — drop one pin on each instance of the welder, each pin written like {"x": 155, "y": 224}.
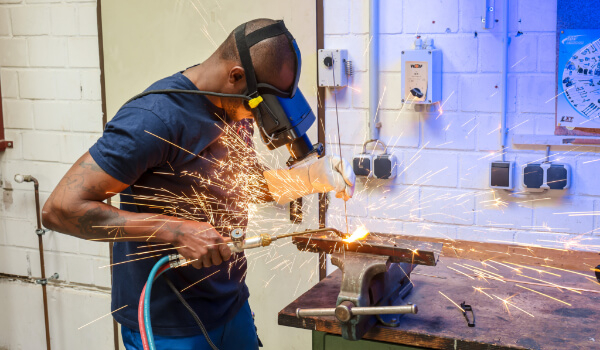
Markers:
{"x": 170, "y": 157}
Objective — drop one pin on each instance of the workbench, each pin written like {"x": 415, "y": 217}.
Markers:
{"x": 528, "y": 320}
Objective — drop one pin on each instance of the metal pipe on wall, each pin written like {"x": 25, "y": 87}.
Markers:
{"x": 374, "y": 124}
{"x": 40, "y": 232}
{"x": 504, "y": 75}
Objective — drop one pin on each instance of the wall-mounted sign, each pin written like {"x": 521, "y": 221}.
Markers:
{"x": 578, "y": 100}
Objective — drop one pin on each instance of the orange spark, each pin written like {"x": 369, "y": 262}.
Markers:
{"x": 360, "y": 233}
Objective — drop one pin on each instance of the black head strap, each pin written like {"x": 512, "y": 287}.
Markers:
{"x": 272, "y": 30}
{"x": 244, "y": 52}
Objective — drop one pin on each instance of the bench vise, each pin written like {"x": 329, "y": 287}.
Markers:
{"x": 375, "y": 278}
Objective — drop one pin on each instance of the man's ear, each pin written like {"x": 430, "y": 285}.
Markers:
{"x": 236, "y": 75}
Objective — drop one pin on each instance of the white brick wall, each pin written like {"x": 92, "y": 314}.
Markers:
{"x": 442, "y": 189}
{"x": 50, "y": 79}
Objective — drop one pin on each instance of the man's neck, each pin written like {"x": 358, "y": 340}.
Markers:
{"x": 203, "y": 78}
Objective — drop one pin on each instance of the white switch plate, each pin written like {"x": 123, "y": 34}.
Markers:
{"x": 336, "y": 72}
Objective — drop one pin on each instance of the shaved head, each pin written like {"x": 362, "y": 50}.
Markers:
{"x": 269, "y": 57}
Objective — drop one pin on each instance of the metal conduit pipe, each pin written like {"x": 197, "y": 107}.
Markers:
{"x": 39, "y": 231}
{"x": 374, "y": 123}
{"x": 504, "y": 74}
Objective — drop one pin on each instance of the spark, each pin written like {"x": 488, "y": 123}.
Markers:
{"x": 479, "y": 289}
{"x": 546, "y": 295}
{"x": 101, "y": 317}
{"x": 202, "y": 279}
{"x": 519, "y": 61}
{"x": 452, "y": 301}
{"x": 123, "y": 262}
{"x": 506, "y": 302}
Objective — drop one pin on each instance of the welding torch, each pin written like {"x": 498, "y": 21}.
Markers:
{"x": 239, "y": 242}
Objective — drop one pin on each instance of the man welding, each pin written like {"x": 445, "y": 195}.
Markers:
{"x": 185, "y": 182}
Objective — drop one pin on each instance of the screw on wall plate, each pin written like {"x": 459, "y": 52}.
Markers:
{"x": 402, "y": 52}
{"x": 430, "y": 52}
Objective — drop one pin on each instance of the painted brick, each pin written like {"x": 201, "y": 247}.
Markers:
{"x": 488, "y": 132}
{"x": 390, "y": 16}
{"x": 427, "y": 229}
{"x": 426, "y": 168}
{"x": 480, "y": 94}
{"x": 19, "y": 261}
{"x": 2, "y": 235}
{"x": 449, "y": 93}
{"x": 485, "y": 234}
{"x": 546, "y": 215}
{"x": 536, "y": 93}
{"x": 22, "y": 201}
{"x": 587, "y": 165}
{"x": 359, "y": 16}
{"x": 14, "y": 52}
{"x": 47, "y": 52}
{"x": 18, "y": 114}
{"x": 41, "y": 146}
{"x": 47, "y": 173}
{"x": 340, "y": 10}
{"x": 419, "y": 17}
{"x": 71, "y": 147}
{"x": 473, "y": 171}
{"x": 518, "y": 124}
{"x": 10, "y": 1}
{"x": 30, "y": 20}
{"x": 470, "y": 14}
{"x": 10, "y": 83}
{"x": 90, "y": 84}
{"x": 42, "y": 1}
{"x": 394, "y": 202}
{"x": 544, "y": 124}
{"x": 102, "y": 274}
{"x": 447, "y": 206}
{"x": 356, "y": 46}
{"x": 353, "y": 126}
{"x": 86, "y": 116}
{"x": 522, "y": 53}
{"x": 60, "y": 242}
{"x": 359, "y": 91}
{"x": 49, "y": 85}
{"x": 95, "y": 248}
{"x": 4, "y": 22}
{"x": 390, "y": 85}
{"x": 21, "y": 233}
{"x": 56, "y": 263}
{"x": 83, "y": 52}
{"x": 537, "y": 15}
{"x": 343, "y": 96}
{"x": 52, "y": 115}
{"x": 544, "y": 239}
{"x": 88, "y": 20}
{"x": 450, "y": 131}
{"x": 80, "y": 269}
{"x": 596, "y": 232}
{"x": 400, "y": 128}
{"x": 390, "y": 51}
{"x": 547, "y": 53}
{"x": 64, "y": 20}
{"x": 457, "y": 60}
{"x": 501, "y": 209}
{"x": 17, "y": 151}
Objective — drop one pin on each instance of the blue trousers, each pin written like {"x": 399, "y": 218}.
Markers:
{"x": 237, "y": 334}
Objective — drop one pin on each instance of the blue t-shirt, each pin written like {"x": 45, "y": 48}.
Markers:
{"x": 176, "y": 151}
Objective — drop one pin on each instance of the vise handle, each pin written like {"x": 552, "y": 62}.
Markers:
{"x": 346, "y": 310}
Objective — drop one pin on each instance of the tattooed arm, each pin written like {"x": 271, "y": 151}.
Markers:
{"x": 75, "y": 207}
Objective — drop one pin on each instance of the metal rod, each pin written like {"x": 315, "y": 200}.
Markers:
{"x": 385, "y": 310}
{"x": 325, "y": 311}
{"x": 374, "y": 69}
{"x": 42, "y": 264}
{"x": 504, "y": 74}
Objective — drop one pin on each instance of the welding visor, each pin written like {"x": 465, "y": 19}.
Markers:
{"x": 282, "y": 116}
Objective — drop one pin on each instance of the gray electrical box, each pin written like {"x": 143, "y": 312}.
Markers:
{"x": 501, "y": 175}
{"x": 538, "y": 177}
{"x": 333, "y": 67}
{"x": 422, "y": 74}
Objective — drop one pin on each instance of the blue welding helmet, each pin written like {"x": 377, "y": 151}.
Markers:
{"x": 283, "y": 117}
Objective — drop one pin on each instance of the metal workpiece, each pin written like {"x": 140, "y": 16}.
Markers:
{"x": 239, "y": 242}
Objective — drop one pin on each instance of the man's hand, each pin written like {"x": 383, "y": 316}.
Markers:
{"x": 200, "y": 242}
{"x": 330, "y": 173}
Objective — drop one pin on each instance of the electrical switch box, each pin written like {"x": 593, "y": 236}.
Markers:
{"x": 362, "y": 165}
{"x": 333, "y": 68}
{"x": 546, "y": 176}
{"x": 381, "y": 166}
{"x": 501, "y": 175}
{"x": 422, "y": 74}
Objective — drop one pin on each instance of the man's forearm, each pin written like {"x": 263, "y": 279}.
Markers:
{"x": 95, "y": 220}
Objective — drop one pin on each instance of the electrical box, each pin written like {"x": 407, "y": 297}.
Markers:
{"x": 501, "y": 175}
{"x": 546, "y": 176}
{"x": 333, "y": 67}
{"x": 382, "y": 166}
{"x": 422, "y": 74}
